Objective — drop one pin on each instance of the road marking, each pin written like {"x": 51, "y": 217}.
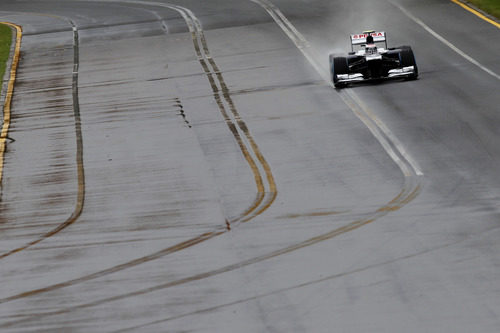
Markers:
{"x": 445, "y": 41}
{"x": 475, "y": 12}
{"x": 8, "y": 97}
{"x": 407, "y": 164}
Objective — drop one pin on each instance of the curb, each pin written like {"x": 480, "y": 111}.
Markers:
{"x": 9, "y": 91}
{"x": 8, "y": 66}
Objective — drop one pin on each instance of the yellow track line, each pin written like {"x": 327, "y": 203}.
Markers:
{"x": 8, "y": 96}
{"x": 475, "y": 12}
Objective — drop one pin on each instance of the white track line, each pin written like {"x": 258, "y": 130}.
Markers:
{"x": 445, "y": 41}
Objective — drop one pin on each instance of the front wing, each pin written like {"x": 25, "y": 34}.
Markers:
{"x": 393, "y": 73}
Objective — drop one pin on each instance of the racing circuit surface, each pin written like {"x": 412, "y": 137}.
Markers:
{"x": 188, "y": 167}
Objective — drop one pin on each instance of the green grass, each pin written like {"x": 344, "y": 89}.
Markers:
{"x": 5, "y": 41}
{"x": 490, "y": 6}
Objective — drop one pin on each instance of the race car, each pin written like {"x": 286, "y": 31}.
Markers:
{"x": 369, "y": 61}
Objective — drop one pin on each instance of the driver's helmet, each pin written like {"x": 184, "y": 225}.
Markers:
{"x": 370, "y": 45}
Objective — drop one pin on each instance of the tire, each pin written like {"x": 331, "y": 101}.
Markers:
{"x": 406, "y": 59}
{"x": 403, "y": 47}
{"x": 338, "y": 65}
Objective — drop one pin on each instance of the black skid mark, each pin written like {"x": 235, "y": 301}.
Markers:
{"x": 178, "y": 104}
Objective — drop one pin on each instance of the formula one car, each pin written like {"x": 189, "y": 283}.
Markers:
{"x": 370, "y": 62}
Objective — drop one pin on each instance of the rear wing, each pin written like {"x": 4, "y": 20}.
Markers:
{"x": 360, "y": 39}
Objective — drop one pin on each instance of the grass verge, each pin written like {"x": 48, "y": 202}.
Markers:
{"x": 489, "y": 6}
{"x": 5, "y": 41}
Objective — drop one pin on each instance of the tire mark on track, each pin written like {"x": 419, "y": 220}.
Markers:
{"x": 395, "y": 204}
{"x": 285, "y": 289}
{"x": 264, "y": 198}
{"x": 263, "y": 177}
{"x": 266, "y": 192}
{"x": 172, "y": 249}
{"x": 79, "y": 150}
{"x": 411, "y": 189}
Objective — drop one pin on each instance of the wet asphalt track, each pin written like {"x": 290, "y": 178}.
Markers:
{"x": 184, "y": 167}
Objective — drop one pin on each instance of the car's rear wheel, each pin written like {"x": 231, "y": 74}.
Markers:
{"x": 406, "y": 59}
{"x": 338, "y": 66}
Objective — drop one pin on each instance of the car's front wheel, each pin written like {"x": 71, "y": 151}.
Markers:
{"x": 406, "y": 59}
{"x": 338, "y": 66}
